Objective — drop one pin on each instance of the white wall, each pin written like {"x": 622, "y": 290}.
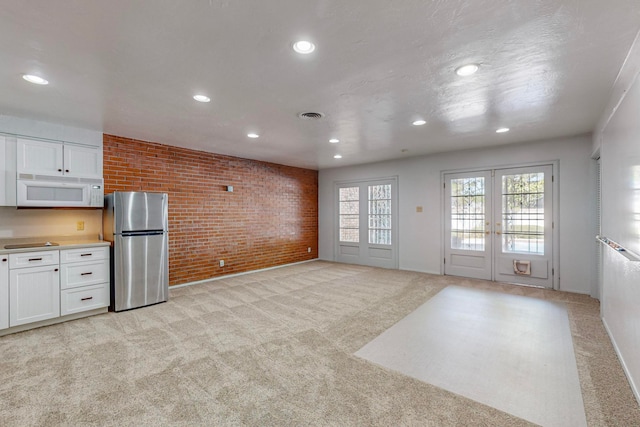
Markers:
{"x": 54, "y": 131}
{"x": 419, "y": 179}
{"x": 618, "y": 139}
{"x": 18, "y": 223}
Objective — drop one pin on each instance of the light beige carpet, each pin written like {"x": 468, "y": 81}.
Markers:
{"x": 271, "y": 348}
{"x": 510, "y": 352}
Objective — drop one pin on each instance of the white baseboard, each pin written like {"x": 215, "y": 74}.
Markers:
{"x": 634, "y": 389}
{"x": 228, "y": 276}
{"x": 413, "y": 270}
{"x": 55, "y": 320}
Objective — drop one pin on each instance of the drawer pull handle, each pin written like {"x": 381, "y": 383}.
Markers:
{"x": 35, "y": 259}
{"x": 86, "y": 298}
{"x": 86, "y": 274}
{"x": 86, "y": 254}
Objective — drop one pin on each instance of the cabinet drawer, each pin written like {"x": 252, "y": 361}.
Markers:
{"x": 33, "y": 259}
{"x": 84, "y": 299}
{"x": 83, "y": 254}
{"x": 83, "y": 274}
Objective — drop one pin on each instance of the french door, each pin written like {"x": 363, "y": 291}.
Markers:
{"x": 499, "y": 225}
{"x": 367, "y": 222}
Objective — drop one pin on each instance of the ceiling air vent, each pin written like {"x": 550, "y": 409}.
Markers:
{"x": 310, "y": 115}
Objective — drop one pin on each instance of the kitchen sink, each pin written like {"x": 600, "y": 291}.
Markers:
{"x": 31, "y": 245}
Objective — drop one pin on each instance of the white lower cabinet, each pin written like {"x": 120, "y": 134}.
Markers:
{"x": 4, "y": 291}
{"x": 43, "y": 285}
{"x": 84, "y": 282}
{"x": 34, "y": 294}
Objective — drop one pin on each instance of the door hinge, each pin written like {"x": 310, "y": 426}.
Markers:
{"x": 445, "y": 260}
{"x": 444, "y": 185}
{"x": 553, "y": 271}
{"x": 552, "y": 178}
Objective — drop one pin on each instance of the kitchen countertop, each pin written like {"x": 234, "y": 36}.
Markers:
{"x": 63, "y": 243}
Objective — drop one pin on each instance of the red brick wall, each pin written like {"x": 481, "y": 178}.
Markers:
{"x": 269, "y": 219}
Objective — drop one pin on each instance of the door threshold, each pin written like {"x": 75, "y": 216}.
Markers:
{"x": 526, "y": 285}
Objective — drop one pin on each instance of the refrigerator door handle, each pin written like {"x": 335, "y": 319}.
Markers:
{"x": 142, "y": 233}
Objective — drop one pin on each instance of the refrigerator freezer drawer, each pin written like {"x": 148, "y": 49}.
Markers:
{"x": 141, "y": 271}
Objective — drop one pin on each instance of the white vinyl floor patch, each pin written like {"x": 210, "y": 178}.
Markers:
{"x": 510, "y": 352}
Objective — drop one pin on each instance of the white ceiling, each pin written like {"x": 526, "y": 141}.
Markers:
{"x": 130, "y": 68}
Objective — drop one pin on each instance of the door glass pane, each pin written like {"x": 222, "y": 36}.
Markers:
{"x": 468, "y": 213}
{"x": 523, "y": 213}
{"x": 380, "y": 214}
{"x": 349, "y": 214}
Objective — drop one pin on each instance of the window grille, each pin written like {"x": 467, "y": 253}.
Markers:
{"x": 380, "y": 214}
{"x": 468, "y": 215}
{"x": 349, "y": 198}
{"x": 523, "y": 213}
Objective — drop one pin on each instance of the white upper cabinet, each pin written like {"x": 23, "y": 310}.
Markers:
{"x": 39, "y": 157}
{"x": 81, "y": 161}
{"x": 53, "y": 158}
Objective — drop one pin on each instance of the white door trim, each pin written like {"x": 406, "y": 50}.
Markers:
{"x": 555, "y": 215}
{"x": 394, "y": 214}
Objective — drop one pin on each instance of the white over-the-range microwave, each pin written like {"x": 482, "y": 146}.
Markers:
{"x": 59, "y": 191}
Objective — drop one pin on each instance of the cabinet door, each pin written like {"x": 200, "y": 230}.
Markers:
{"x": 34, "y": 294}
{"x": 4, "y": 291}
{"x": 39, "y": 157}
{"x": 7, "y": 171}
{"x": 81, "y": 161}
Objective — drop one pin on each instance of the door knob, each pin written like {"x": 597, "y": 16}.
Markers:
{"x": 498, "y": 232}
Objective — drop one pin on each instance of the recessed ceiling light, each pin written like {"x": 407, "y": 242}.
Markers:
{"x": 502, "y": 130}
{"x": 334, "y": 140}
{"x": 304, "y": 47}
{"x": 35, "y": 79}
{"x": 201, "y": 98}
{"x": 253, "y": 135}
{"x": 419, "y": 122}
{"x": 467, "y": 70}
{"x": 337, "y": 156}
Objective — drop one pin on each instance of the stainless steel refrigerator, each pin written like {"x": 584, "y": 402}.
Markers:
{"x": 136, "y": 224}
